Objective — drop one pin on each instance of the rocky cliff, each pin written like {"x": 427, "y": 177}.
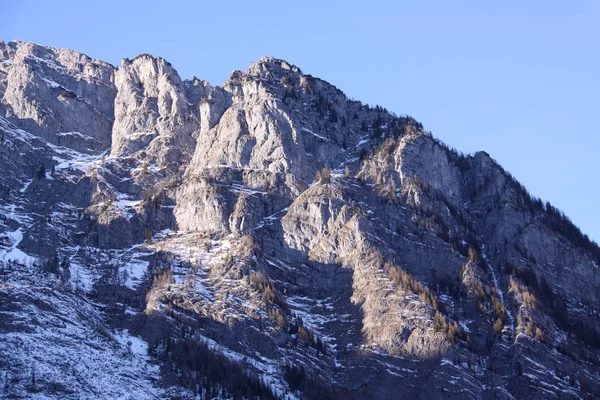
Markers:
{"x": 165, "y": 238}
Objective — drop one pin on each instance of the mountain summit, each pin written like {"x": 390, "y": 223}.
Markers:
{"x": 269, "y": 238}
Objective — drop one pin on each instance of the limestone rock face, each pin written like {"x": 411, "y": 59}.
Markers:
{"x": 233, "y": 200}
{"x": 61, "y": 95}
{"x": 270, "y": 118}
{"x": 282, "y": 121}
{"x": 209, "y": 102}
{"x": 152, "y": 113}
{"x": 269, "y": 238}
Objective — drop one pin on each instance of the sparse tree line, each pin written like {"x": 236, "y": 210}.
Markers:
{"x": 275, "y": 305}
{"x": 551, "y": 216}
{"x": 409, "y": 284}
{"x": 536, "y": 293}
{"x": 277, "y": 309}
{"x": 377, "y": 121}
{"x": 486, "y": 296}
{"x": 208, "y": 374}
{"x": 61, "y": 268}
{"x": 299, "y": 380}
{"x": 296, "y": 327}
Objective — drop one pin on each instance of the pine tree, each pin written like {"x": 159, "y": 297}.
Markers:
{"x": 41, "y": 174}
{"x": 65, "y": 274}
{"x": 347, "y": 172}
{"x": 363, "y": 126}
{"x": 333, "y": 118}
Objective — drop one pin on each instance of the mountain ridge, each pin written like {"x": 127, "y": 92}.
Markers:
{"x": 269, "y": 237}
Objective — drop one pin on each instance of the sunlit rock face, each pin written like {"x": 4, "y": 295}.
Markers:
{"x": 269, "y": 238}
{"x": 60, "y": 95}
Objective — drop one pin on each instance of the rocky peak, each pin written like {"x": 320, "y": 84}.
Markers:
{"x": 153, "y": 75}
{"x": 274, "y": 70}
{"x": 208, "y": 102}
{"x": 6, "y": 50}
{"x": 72, "y": 60}
{"x": 60, "y": 95}
{"x": 152, "y": 112}
{"x": 197, "y": 90}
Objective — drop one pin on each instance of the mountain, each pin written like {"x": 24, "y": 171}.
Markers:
{"x": 270, "y": 238}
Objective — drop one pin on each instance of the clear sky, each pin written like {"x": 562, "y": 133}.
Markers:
{"x": 518, "y": 79}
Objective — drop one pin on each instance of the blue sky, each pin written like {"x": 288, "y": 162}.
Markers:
{"x": 518, "y": 79}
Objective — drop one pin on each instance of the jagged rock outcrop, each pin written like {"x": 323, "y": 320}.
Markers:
{"x": 282, "y": 121}
{"x": 274, "y": 118}
{"x": 210, "y": 102}
{"x": 233, "y": 200}
{"x": 61, "y": 95}
{"x": 152, "y": 113}
{"x": 269, "y": 238}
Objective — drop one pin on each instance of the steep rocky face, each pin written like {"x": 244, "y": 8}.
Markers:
{"x": 209, "y": 102}
{"x": 272, "y": 119}
{"x": 152, "y": 113}
{"x": 282, "y": 121}
{"x": 269, "y": 238}
{"x": 61, "y": 95}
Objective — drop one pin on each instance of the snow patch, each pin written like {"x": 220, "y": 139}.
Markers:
{"x": 51, "y": 83}
{"x": 14, "y": 253}
{"x": 316, "y": 135}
